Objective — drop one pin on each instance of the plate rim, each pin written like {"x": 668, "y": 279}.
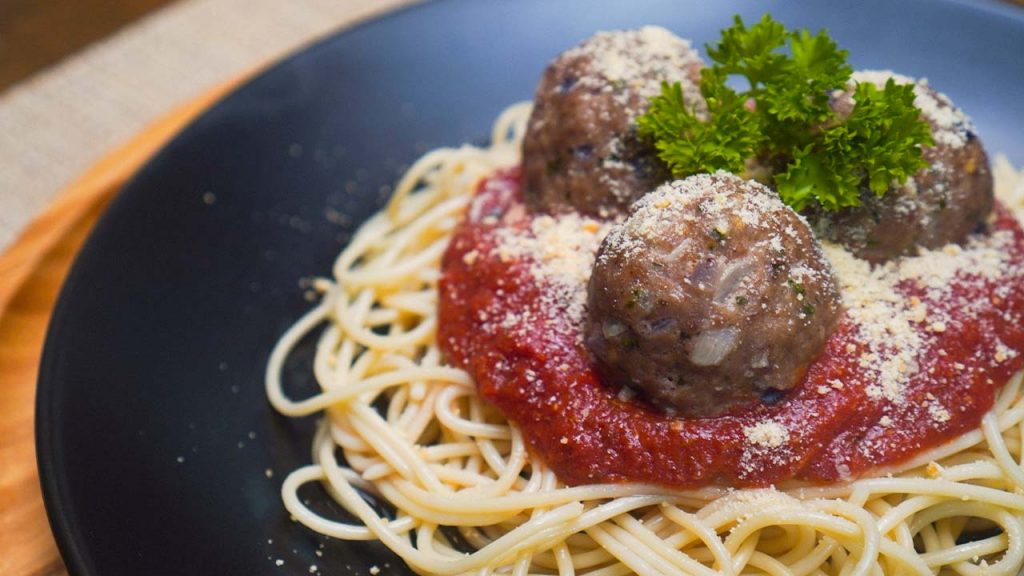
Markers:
{"x": 53, "y": 479}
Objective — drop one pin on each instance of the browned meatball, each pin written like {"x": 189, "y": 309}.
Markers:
{"x": 581, "y": 150}
{"x": 941, "y": 204}
{"x": 712, "y": 295}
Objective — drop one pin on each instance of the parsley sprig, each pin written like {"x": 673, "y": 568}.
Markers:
{"x": 783, "y": 119}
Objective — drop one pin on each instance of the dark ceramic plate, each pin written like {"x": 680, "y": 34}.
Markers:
{"x": 154, "y": 435}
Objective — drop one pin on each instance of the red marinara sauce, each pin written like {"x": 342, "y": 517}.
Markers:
{"x": 525, "y": 353}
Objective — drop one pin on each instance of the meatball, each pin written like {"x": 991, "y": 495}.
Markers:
{"x": 711, "y": 295}
{"x": 581, "y": 150}
{"x": 941, "y": 204}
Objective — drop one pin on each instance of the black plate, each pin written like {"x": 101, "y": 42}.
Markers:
{"x": 153, "y": 431}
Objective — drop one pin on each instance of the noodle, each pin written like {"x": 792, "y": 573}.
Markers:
{"x": 414, "y": 434}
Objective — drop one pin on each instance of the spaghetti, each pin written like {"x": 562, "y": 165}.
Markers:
{"x": 414, "y": 433}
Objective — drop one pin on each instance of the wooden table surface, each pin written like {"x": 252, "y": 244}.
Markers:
{"x": 40, "y": 33}
{"x": 31, "y": 274}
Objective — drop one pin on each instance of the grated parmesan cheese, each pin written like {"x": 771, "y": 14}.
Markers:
{"x": 639, "y": 60}
{"x": 1003, "y": 352}
{"x": 559, "y": 252}
{"x": 938, "y": 412}
{"x": 766, "y": 434}
{"x": 886, "y": 319}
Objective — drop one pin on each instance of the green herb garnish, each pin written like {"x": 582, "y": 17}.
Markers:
{"x": 637, "y": 297}
{"x": 783, "y": 119}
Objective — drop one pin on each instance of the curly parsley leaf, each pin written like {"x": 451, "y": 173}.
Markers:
{"x": 887, "y": 133}
{"x": 724, "y": 143}
{"x": 784, "y": 119}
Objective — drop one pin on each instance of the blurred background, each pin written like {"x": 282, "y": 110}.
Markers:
{"x": 79, "y": 77}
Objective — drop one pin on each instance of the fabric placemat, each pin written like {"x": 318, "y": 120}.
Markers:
{"x": 56, "y": 124}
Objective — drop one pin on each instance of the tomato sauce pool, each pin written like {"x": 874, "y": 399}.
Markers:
{"x": 525, "y": 351}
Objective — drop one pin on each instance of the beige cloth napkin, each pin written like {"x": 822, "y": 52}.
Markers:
{"x": 57, "y": 123}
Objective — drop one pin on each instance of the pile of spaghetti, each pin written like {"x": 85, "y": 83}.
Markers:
{"x": 402, "y": 427}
